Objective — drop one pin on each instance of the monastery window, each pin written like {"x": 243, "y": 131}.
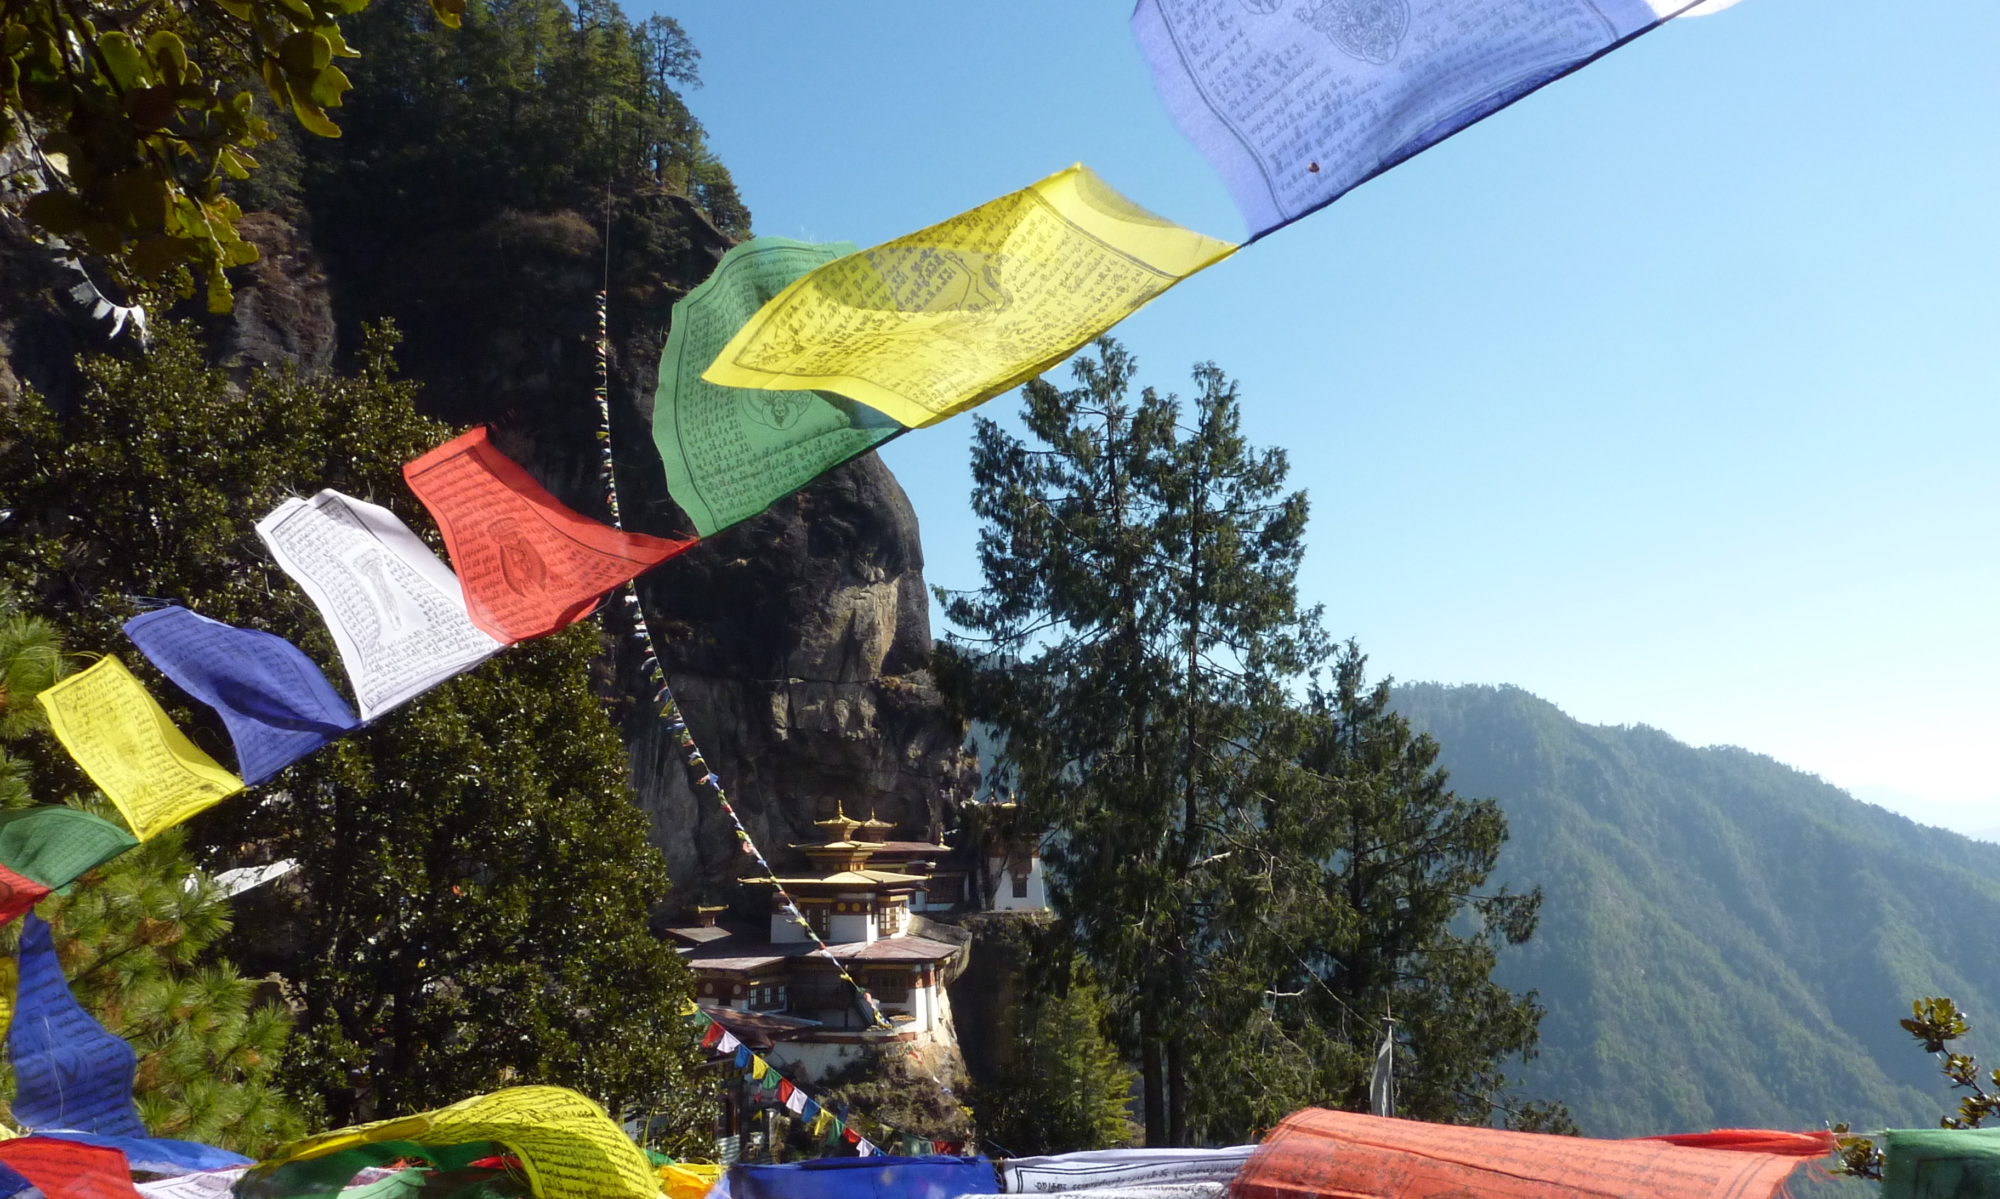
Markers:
{"x": 1020, "y": 886}
{"x": 767, "y": 997}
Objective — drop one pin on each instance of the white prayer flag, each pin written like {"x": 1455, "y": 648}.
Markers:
{"x": 396, "y": 612}
{"x": 796, "y": 1101}
{"x": 728, "y": 1043}
{"x": 1382, "y": 1079}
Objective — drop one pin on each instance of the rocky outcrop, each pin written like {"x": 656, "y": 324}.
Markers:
{"x": 797, "y": 642}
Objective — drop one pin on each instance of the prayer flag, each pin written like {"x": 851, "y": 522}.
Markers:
{"x": 277, "y": 705}
{"x": 864, "y": 1147}
{"x": 1296, "y": 103}
{"x": 69, "y": 1169}
{"x": 796, "y": 1102}
{"x": 1316, "y": 1153}
{"x": 54, "y": 846}
{"x": 161, "y": 1155}
{"x": 18, "y": 896}
{"x": 731, "y": 452}
{"x": 1117, "y": 1169}
{"x": 567, "y": 1146}
{"x": 858, "y": 1178}
{"x": 758, "y": 1068}
{"x": 528, "y": 564}
{"x": 785, "y": 1091}
{"x": 205, "y": 1184}
{"x": 713, "y": 1036}
{"x": 1382, "y": 1078}
{"x": 937, "y": 321}
{"x": 124, "y": 741}
{"x": 69, "y": 1072}
{"x": 396, "y": 613}
{"x": 1940, "y": 1163}
{"x": 728, "y": 1043}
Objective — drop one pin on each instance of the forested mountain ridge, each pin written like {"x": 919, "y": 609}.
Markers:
{"x": 1726, "y": 941}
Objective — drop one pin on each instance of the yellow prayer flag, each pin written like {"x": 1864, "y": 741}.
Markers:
{"x": 567, "y": 1146}
{"x": 124, "y": 741}
{"x": 757, "y": 1067}
{"x": 689, "y": 1180}
{"x": 937, "y": 321}
{"x": 10, "y": 985}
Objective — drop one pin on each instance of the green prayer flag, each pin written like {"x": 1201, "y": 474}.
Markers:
{"x": 54, "y": 846}
{"x": 325, "y": 1177}
{"x": 731, "y": 452}
{"x": 1940, "y": 1163}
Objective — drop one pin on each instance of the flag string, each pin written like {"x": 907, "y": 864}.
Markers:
{"x": 820, "y": 1119}
{"x": 669, "y": 708}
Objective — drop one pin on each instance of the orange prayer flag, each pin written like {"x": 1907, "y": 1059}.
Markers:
{"x": 527, "y": 564}
{"x": 69, "y": 1168}
{"x": 1318, "y": 1154}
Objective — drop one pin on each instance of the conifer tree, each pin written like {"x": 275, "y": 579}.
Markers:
{"x": 138, "y": 939}
{"x": 474, "y": 882}
{"x": 1061, "y": 1086}
{"x": 1255, "y": 884}
{"x": 1141, "y": 622}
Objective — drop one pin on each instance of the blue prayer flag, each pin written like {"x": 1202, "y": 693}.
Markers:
{"x": 69, "y": 1072}
{"x": 161, "y": 1155}
{"x": 929, "y": 1177}
{"x": 1296, "y": 102}
{"x": 277, "y": 705}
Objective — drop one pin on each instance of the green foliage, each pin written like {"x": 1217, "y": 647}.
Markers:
{"x": 138, "y": 114}
{"x": 1141, "y": 622}
{"x": 470, "y": 905}
{"x": 138, "y": 938}
{"x": 1725, "y": 941}
{"x": 1256, "y": 885}
{"x": 1062, "y": 1086}
{"x": 1936, "y": 1023}
{"x": 533, "y": 105}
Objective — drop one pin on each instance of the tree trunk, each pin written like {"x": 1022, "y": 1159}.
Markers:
{"x": 1177, "y": 1090}
{"x": 1152, "y": 1080}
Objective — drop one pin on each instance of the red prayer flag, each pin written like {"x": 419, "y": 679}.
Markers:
{"x": 853, "y": 1137}
{"x": 785, "y": 1089}
{"x": 527, "y": 564}
{"x": 714, "y": 1034}
{"x": 1316, "y": 1154}
{"x": 17, "y": 894}
{"x": 1755, "y": 1140}
{"x": 69, "y": 1169}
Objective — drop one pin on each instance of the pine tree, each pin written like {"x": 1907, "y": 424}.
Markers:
{"x": 1061, "y": 1087}
{"x": 474, "y": 882}
{"x": 138, "y": 938}
{"x": 1142, "y": 621}
{"x": 1255, "y": 884}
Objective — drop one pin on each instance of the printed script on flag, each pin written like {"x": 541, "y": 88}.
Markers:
{"x": 1296, "y": 102}
{"x": 567, "y": 1146}
{"x": 275, "y": 702}
{"x": 396, "y": 613}
{"x": 528, "y": 564}
{"x": 70, "y": 1072}
{"x": 129, "y": 747}
{"x": 1317, "y": 1153}
{"x": 731, "y": 452}
{"x": 932, "y": 323}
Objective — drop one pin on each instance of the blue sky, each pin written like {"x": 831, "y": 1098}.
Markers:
{"x": 1667, "y": 394}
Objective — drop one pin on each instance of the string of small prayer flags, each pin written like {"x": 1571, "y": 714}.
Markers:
{"x": 821, "y": 1120}
{"x": 663, "y": 695}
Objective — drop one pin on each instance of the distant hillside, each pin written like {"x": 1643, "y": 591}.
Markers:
{"x": 1725, "y": 941}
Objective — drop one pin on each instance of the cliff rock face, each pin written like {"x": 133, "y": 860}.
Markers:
{"x": 797, "y": 642}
